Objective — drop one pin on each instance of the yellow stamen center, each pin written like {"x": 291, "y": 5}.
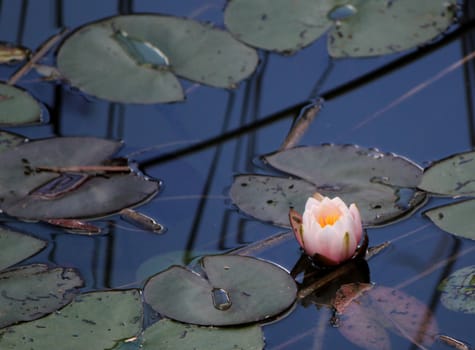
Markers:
{"x": 328, "y": 218}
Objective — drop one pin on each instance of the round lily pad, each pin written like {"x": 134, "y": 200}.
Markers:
{"x": 356, "y": 28}
{"x": 382, "y": 185}
{"x": 95, "y": 320}
{"x": 30, "y": 292}
{"x": 231, "y": 290}
{"x": 15, "y": 247}
{"x": 30, "y": 193}
{"x": 170, "y": 335}
{"x": 134, "y": 58}
{"x": 457, "y": 290}
{"x": 18, "y": 107}
{"x": 451, "y": 176}
{"x": 455, "y": 218}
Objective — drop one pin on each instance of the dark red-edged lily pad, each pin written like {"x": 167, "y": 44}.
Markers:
{"x": 368, "y": 312}
{"x": 28, "y": 192}
{"x": 382, "y": 185}
{"x": 230, "y": 290}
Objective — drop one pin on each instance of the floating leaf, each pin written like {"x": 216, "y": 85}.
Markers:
{"x": 457, "y": 290}
{"x": 28, "y": 193}
{"x": 456, "y": 218}
{"x": 15, "y": 247}
{"x": 381, "y": 184}
{"x": 134, "y": 58}
{"x": 371, "y": 312}
{"x": 93, "y": 321}
{"x": 30, "y": 292}
{"x": 169, "y": 335}
{"x": 412, "y": 24}
{"x": 17, "y": 107}
{"x": 451, "y": 176}
{"x": 357, "y": 28}
{"x": 278, "y": 25}
{"x": 236, "y": 289}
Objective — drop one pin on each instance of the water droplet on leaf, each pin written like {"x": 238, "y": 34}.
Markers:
{"x": 221, "y": 299}
{"x": 340, "y": 13}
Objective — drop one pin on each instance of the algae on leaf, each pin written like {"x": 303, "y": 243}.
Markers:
{"x": 355, "y": 28}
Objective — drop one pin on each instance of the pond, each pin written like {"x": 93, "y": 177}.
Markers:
{"x": 214, "y": 174}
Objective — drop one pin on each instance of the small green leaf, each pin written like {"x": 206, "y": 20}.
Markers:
{"x": 451, "y": 176}
{"x": 15, "y": 247}
{"x": 456, "y": 218}
{"x": 457, "y": 290}
{"x": 18, "y": 107}
{"x": 256, "y": 290}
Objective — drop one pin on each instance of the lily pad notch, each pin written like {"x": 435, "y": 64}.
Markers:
{"x": 230, "y": 290}
{"x": 382, "y": 185}
{"x": 355, "y": 28}
{"x": 137, "y": 58}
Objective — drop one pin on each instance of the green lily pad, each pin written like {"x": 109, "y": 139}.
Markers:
{"x": 236, "y": 290}
{"x": 134, "y": 58}
{"x": 381, "y": 184}
{"x": 455, "y": 218}
{"x": 451, "y": 176}
{"x": 93, "y": 321}
{"x": 356, "y": 28}
{"x": 9, "y": 140}
{"x": 15, "y": 247}
{"x": 457, "y": 290}
{"x": 412, "y": 24}
{"x": 170, "y": 335}
{"x": 18, "y": 107}
{"x": 28, "y": 193}
{"x": 30, "y": 292}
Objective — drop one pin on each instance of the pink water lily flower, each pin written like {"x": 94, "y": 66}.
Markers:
{"x": 328, "y": 229}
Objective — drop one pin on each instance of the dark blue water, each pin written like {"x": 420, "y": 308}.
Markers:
{"x": 194, "y": 205}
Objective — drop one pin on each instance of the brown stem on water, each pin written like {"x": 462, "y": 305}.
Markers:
{"x": 301, "y": 125}
{"x": 85, "y": 169}
{"x": 44, "y": 48}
